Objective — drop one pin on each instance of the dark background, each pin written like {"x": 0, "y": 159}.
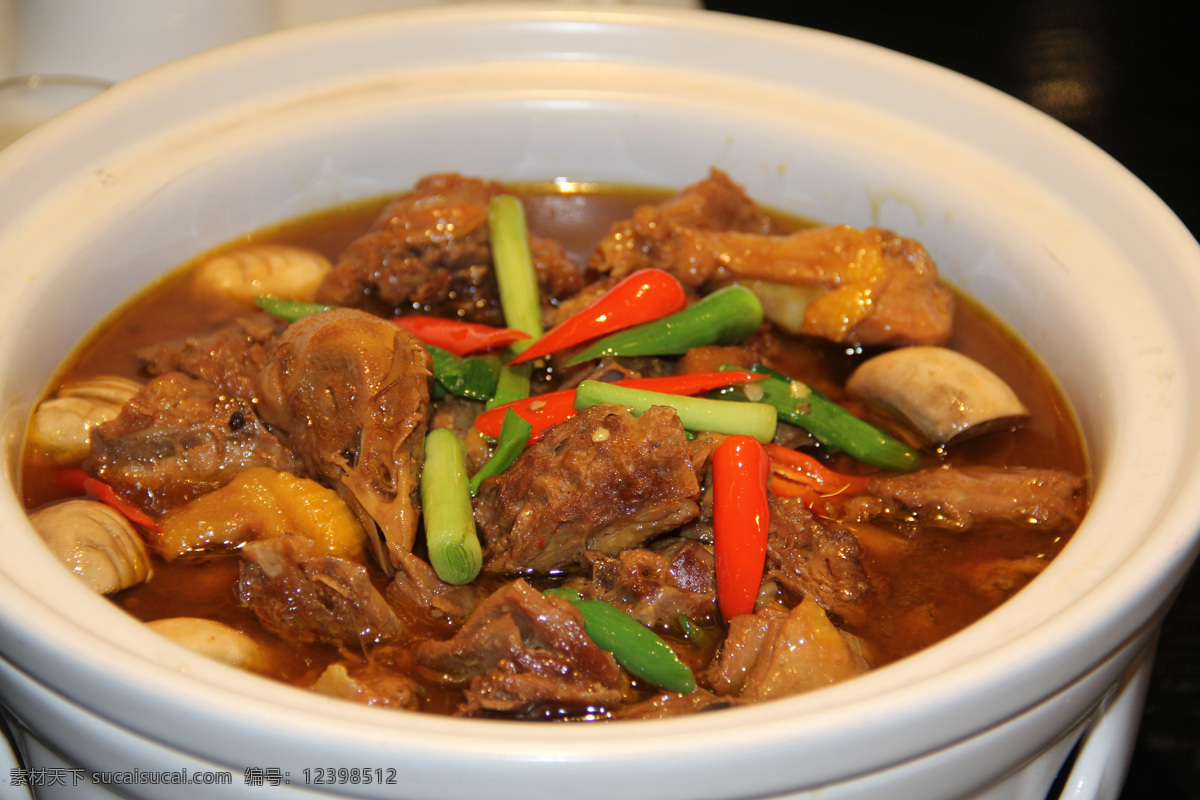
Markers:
{"x": 1126, "y": 76}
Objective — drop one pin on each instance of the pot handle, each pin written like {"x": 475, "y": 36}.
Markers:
{"x": 1103, "y": 753}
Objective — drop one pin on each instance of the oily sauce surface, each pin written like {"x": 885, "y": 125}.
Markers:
{"x": 936, "y": 581}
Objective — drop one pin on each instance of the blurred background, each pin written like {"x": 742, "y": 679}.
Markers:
{"x": 1123, "y": 75}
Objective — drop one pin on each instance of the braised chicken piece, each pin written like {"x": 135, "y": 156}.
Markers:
{"x": 260, "y": 503}
{"x": 839, "y": 283}
{"x": 228, "y": 359}
{"x": 372, "y": 682}
{"x": 959, "y": 497}
{"x": 604, "y": 480}
{"x": 864, "y": 286}
{"x": 649, "y": 237}
{"x": 711, "y": 357}
{"x": 656, "y": 586}
{"x": 417, "y": 588}
{"x": 429, "y": 250}
{"x": 350, "y": 393}
{"x": 775, "y": 653}
{"x": 300, "y": 592}
{"x": 179, "y": 438}
{"x": 817, "y": 558}
{"x": 521, "y": 651}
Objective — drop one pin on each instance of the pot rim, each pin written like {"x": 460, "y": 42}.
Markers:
{"x": 1112, "y": 605}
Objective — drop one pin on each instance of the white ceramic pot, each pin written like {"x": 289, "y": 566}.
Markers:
{"x": 1073, "y": 252}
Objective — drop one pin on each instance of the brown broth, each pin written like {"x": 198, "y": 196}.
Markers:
{"x": 927, "y": 579}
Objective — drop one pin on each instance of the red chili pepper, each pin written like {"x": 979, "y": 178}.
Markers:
{"x": 690, "y": 383}
{"x": 640, "y": 297}
{"x": 540, "y": 411}
{"x": 551, "y": 408}
{"x": 797, "y": 466}
{"x": 458, "y": 336}
{"x": 741, "y": 519}
{"x": 79, "y": 481}
{"x": 782, "y": 487}
{"x": 797, "y": 474}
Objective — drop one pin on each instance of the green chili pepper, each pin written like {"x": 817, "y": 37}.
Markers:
{"x": 830, "y": 424}
{"x": 727, "y": 316}
{"x": 693, "y": 632}
{"x": 290, "y": 310}
{"x": 514, "y": 433}
{"x": 634, "y": 646}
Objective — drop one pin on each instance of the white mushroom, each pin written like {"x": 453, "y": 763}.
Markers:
{"x": 941, "y": 393}
{"x": 95, "y": 542}
{"x": 292, "y": 273}
{"x": 212, "y": 639}
{"x": 61, "y": 424}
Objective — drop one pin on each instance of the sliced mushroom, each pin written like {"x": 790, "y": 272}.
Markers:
{"x": 95, "y": 542}
{"x": 61, "y": 425}
{"x": 213, "y": 639}
{"x": 941, "y": 393}
{"x": 293, "y": 273}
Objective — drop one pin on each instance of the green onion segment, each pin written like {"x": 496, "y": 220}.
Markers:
{"x": 516, "y": 277}
{"x": 454, "y": 549}
{"x": 514, "y": 433}
{"x": 695, "y": 413}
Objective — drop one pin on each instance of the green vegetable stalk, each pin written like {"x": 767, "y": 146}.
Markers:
{"x": 454, "y": 549}
{"x": 513, "y": 265}
{"x": 693, "y": 632}
{"x": 466, "y": 377}
{"x": 512, "y": 384}
{"x": 727, "y": 316}
{"x": 634, "y": 646}
{"x": 290, "y": 310}
{"x": 516, "y": 277}
{"x": 695, "y": 413}
{"x": 514, "y": 433}
{"x": 830, "y": 424}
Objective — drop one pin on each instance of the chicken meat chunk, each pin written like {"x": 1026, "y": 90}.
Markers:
{"x": 349, "y": 391}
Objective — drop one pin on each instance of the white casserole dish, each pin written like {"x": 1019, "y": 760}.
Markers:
{"x": 1060, "y": 241}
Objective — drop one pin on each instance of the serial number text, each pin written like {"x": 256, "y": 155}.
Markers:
{"x": 341, "y": 776}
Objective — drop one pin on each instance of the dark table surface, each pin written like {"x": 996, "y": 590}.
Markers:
{"x": 1127, "y": 76}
